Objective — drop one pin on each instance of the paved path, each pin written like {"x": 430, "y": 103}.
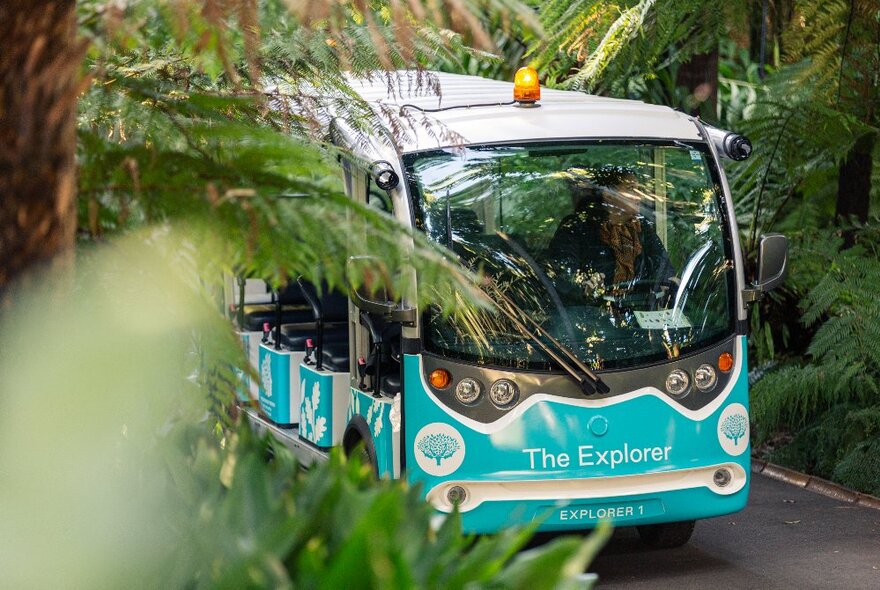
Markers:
{"x": 787, "y": 537}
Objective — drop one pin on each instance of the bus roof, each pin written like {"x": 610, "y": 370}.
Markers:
{"x": 561, "y": 114}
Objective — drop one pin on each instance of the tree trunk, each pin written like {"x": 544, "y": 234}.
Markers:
{"x": 779, "y": 16}
{"x": 756, "y": 15}
{"x": 39, "y": 74}
{"x": 700, "y": 76}
{"x": 854, "y": 183}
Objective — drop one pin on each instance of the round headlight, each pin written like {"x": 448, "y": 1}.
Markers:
{"x": 468, "y": 390}
{"x": 677, "y": 382}
{"x": 504, "y": 393}
{"x": 705, "y": 377}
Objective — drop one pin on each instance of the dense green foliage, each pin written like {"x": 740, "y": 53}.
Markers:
{"x": 616, "y": 47}
{"x": 168, "y": 115}
{"x": 829, "y": 400}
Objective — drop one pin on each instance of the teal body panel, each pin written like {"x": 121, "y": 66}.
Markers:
{"x": 376, "y": 412}
{"x": 316, "y": 406}
{"x": 553, "y": 440}
{"x": 275, "y": 384}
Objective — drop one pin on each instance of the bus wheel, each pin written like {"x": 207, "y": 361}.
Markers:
{"x": 358, "y": 441}
{"x": 667, "y": 535}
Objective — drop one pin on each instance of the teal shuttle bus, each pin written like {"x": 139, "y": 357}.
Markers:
{"x": 611, "y": 381}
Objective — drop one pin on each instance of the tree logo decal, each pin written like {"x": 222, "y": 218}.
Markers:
{"x": 438, "y": 446}
{"x": 733, "y": 429}
{"x": 439, "y": 449}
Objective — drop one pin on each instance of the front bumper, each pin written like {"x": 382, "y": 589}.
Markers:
{"x": 561, "y": 505}
{"x": 563, "y": 491}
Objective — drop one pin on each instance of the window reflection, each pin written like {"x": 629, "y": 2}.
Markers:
{"x": 617, "y": 250}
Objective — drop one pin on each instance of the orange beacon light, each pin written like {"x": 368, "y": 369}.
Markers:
{"x": 526, "y": 88}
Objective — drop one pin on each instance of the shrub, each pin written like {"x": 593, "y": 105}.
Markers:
{"x": 333, "y": 527}
{"x": 860, "y": 468}
{"x": 827, "y": 401}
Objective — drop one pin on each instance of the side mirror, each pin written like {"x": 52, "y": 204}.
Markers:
{"x": 370, "y": 285}
{"x": 772, "y": 265}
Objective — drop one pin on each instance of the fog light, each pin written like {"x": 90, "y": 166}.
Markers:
{"x": 705, "y": 377}
{"x": 722, "y": 477}
{"x": 677, "y": 382}
{"x": 440, "y": 378}
{"x": 468, "y": 390}
{"x": 456, "y": 495}
{"x": 504, "y": 393}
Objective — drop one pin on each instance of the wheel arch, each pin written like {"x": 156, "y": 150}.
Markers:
{"x": 359, "y": 431}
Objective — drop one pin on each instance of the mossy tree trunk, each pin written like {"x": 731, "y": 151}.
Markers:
{"x": 700, "y": 76}
{"x": 854, "y": 181}
{"x": 39, "y": 77}
{"x": 858, "y": 95}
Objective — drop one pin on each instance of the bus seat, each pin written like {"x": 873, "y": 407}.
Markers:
{"x": 294, "y": 336}
{"x": 335, "y": 357}
{"x": 391, "y": 384}
{"x": 257, "y": 315}
{"x": 384, "y": 362}
{"x": 328, "y": 308}
{"x": 294, "y": 309}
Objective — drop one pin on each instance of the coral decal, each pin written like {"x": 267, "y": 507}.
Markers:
{"x": 320, "y": 427}
{"x": 375, "y": 412}
{"x": 438, "y": 446}
{"x": 266, "y": 374}
{"x": 312, "y": 425}
{"x": 377, "y": 425}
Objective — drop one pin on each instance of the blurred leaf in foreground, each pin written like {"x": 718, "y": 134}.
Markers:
{"x": 92, "y": 384}
{"x": 118, "y": 471}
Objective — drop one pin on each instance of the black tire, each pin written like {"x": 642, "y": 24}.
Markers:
{"x": 363, "y": 454}
{"x": 357, "y": 441}
{"x": 667, "y": 535}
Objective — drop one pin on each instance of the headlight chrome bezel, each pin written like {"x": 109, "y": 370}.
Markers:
{"x": 504, "y": 394}
{"x": 712, "y": 379}
{"x": 678, "y": 383}
{"x": 476, "y": 391}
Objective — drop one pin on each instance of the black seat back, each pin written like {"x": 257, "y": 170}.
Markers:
{"x": 290, "y": 294}
{"x": 327, "y": 306}
{"x": 383, "y": 363}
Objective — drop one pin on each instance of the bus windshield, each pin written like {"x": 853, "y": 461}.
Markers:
{"x": 620, "y": 251}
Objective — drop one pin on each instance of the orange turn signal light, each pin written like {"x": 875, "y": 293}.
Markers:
{"x": 440, "y": 378}
{"x": 526, "y": 87}
{"x": 725, "y": 362}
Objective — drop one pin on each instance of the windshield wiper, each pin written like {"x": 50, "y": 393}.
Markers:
{"x": 588, "y": 381}
{"x": 542, "y": 276}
